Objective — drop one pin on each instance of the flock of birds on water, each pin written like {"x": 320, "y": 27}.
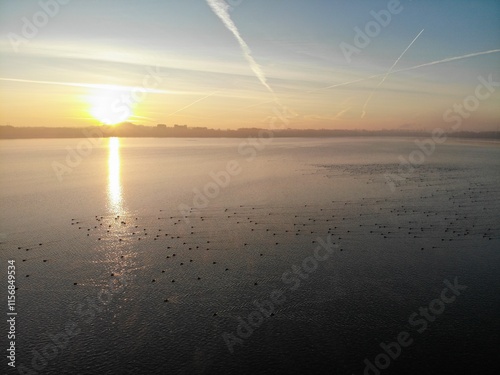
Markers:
{"x": 427, "y": 214}
{"x": 174, "y": 262}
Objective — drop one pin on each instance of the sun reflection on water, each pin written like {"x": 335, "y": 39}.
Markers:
{"x": 114, "y": 180}
{"x": 116, "y": 247}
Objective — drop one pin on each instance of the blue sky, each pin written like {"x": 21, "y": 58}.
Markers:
{"x": 296, "y": 43}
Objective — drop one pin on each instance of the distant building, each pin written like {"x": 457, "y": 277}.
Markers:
{"x": 161, "y": 126}
{"x": 180, "y": 126}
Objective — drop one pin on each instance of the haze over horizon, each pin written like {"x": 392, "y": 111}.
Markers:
{"x": 236, "y": 64}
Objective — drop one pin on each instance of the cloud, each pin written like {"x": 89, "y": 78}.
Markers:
{"x": 220, "y": 8}
{"x": 118, "y": 88}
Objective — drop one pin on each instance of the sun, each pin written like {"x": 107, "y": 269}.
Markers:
{"x": 109, "y": 106}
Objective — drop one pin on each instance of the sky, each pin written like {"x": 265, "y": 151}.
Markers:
{"x": 240, "y": 63}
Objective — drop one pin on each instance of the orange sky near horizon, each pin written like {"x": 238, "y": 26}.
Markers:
{"x": 164, "y": 68}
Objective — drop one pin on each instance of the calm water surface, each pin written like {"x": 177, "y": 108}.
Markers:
{"x": 146, "y": 288}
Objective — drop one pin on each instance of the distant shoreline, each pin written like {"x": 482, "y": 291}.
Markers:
{"x": 137, "y": 131}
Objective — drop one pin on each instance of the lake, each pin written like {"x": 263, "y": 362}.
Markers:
{"x": 279, "y": 256}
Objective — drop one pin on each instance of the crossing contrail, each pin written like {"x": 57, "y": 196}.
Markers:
{"x": 387, "y": 74}
{"x": 448, "y": 59}
{"x": 220, "y": 8}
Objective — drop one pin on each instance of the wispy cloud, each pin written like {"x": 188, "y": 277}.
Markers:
{"x": 91, "y": 86}
{"x": 221, "y": 9}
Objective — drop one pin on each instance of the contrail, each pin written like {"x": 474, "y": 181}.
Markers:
{"x": 448, "y": 59}
{"x": 341, "y": 113}
{"x": 387, "y": 74}
{"x": 193, "y": 103}
{"x": 89, "y": 85}
{"x": 220, "y": 8}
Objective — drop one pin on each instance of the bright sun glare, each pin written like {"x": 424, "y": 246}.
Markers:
{"x": 109, "y": 107}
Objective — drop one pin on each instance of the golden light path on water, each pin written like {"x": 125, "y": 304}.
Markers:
{"x": 114, "y": 179}
{"x": 116, "y": 257}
